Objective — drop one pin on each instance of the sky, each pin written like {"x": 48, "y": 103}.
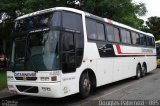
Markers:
{"x": 153, "y": 8}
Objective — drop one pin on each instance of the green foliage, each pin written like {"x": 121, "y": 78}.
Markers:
{"x": 6, "y": 29}
{"x": 153, "y": 26}
{"x": 124, "y": 11}
{"x": 140, "y": 9}
{"x": 3, "y": 79}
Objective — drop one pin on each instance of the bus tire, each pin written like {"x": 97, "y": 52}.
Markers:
{"x": 138, "y": 72}
{"x": 144, "y": 70}
{"x": 85, "y": 85}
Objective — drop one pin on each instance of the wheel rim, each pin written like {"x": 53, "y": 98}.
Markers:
{"x": 86, "y": 85}
{"x": 143, "y": 71}
{"x": 138, "y": 73}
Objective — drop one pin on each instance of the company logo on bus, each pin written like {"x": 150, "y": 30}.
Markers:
{"x": 24, "y": 74}
{"x": 147, "y": 50}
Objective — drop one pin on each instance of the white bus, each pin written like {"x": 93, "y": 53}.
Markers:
{"x": 63, "y": 51}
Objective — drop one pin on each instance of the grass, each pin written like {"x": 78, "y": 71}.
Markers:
{"x": 3, "y": 79}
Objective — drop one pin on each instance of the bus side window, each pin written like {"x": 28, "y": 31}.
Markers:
{"x": 72, "y": 21}
{"x": 144, "y": 40}
{"x": 125, "y": 36}
{"x": 128, "y": 36}
{"x": 100, "y": 31}
{"x": 110, "y": 34}
{"x": 135, "y": 38}
{"x": 150, "y": 42}
{"x": 91, "y": 29}
{"x": 153, "y": 42}
{"x": 141, "y": 39}
{"x": 116, "y": 35}
{"x": 56, "y": 19}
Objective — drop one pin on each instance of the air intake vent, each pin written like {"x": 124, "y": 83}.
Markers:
{"x": 27, "y": 89}
{"x": 26, "y": 78}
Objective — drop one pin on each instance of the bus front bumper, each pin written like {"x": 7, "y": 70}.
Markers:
{"x": 42, "y": 89}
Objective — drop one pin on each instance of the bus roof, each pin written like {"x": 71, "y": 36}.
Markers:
{"x": 87, "y": 14}
{"x": 47, "y": 11}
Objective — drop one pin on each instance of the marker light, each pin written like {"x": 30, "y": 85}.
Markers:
{"x": 44, "y": 78}
{"x": 54, "y": 78}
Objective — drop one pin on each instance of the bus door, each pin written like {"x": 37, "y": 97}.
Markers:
{"x": 68, "y": 52}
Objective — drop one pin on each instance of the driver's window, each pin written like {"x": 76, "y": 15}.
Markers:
{"x": 68, "y": 42}
{"x": 68, "y": 53}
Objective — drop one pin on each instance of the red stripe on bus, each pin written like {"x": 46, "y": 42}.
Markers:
{"x": 118, "y": 49}
{"x": 120, "y": 52}
{"x": 109, "y": 21}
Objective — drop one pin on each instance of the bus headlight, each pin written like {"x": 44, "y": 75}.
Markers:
{"x": 44, "y": 78}
{"x": 54, "y": 78}
{"x": 10, "y": 78}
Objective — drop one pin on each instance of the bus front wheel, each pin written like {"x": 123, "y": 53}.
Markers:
{"x": 85, "y": 85}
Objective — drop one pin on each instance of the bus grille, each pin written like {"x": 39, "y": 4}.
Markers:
{"x": 27, "y": 89}
{"x": 26, "y": 78}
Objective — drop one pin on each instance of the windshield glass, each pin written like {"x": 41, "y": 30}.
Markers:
{"x": 38, "y": 22}
{"x": 37, "y": 52}
{"x": 33, "y": 22}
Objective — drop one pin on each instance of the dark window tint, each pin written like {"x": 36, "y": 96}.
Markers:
{"x": 56, "y": 19}
{"x": 147, "y": 39}
{"x": 68, "y": 42}
{"x": 95, "y": 30}
{"x": 34, "y": 22}
{"x": 91, "y": 29}
{"x": 128, "y": 36}
{"x": 79, "y": 49}
{"x": 116, "y": 35}
{"x": 68, "y": 52}
{"x": 110, "y": 34}
{"x": 142, "y": 39}
{"x": 125, "y": 36}
{"x": 100, "y": 31}
{"x": 72, "y": 21}
{"x": 135, "y": 38}
{"x": 153, "y": 42}
{"x": 150, "y": 41}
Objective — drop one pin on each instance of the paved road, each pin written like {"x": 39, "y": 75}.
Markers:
{"x": 147, "y": 88}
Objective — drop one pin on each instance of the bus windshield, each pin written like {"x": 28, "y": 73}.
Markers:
{"x": 38, "y": 22}
{"x": 37, "y": 51}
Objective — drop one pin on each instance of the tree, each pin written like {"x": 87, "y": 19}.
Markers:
{"x": 153, "y": 26}
{"x": 124, "y": 11}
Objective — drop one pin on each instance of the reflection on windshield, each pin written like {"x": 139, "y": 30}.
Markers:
{"x": 39, "y": 54}
{"x": 35, "y": 22}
